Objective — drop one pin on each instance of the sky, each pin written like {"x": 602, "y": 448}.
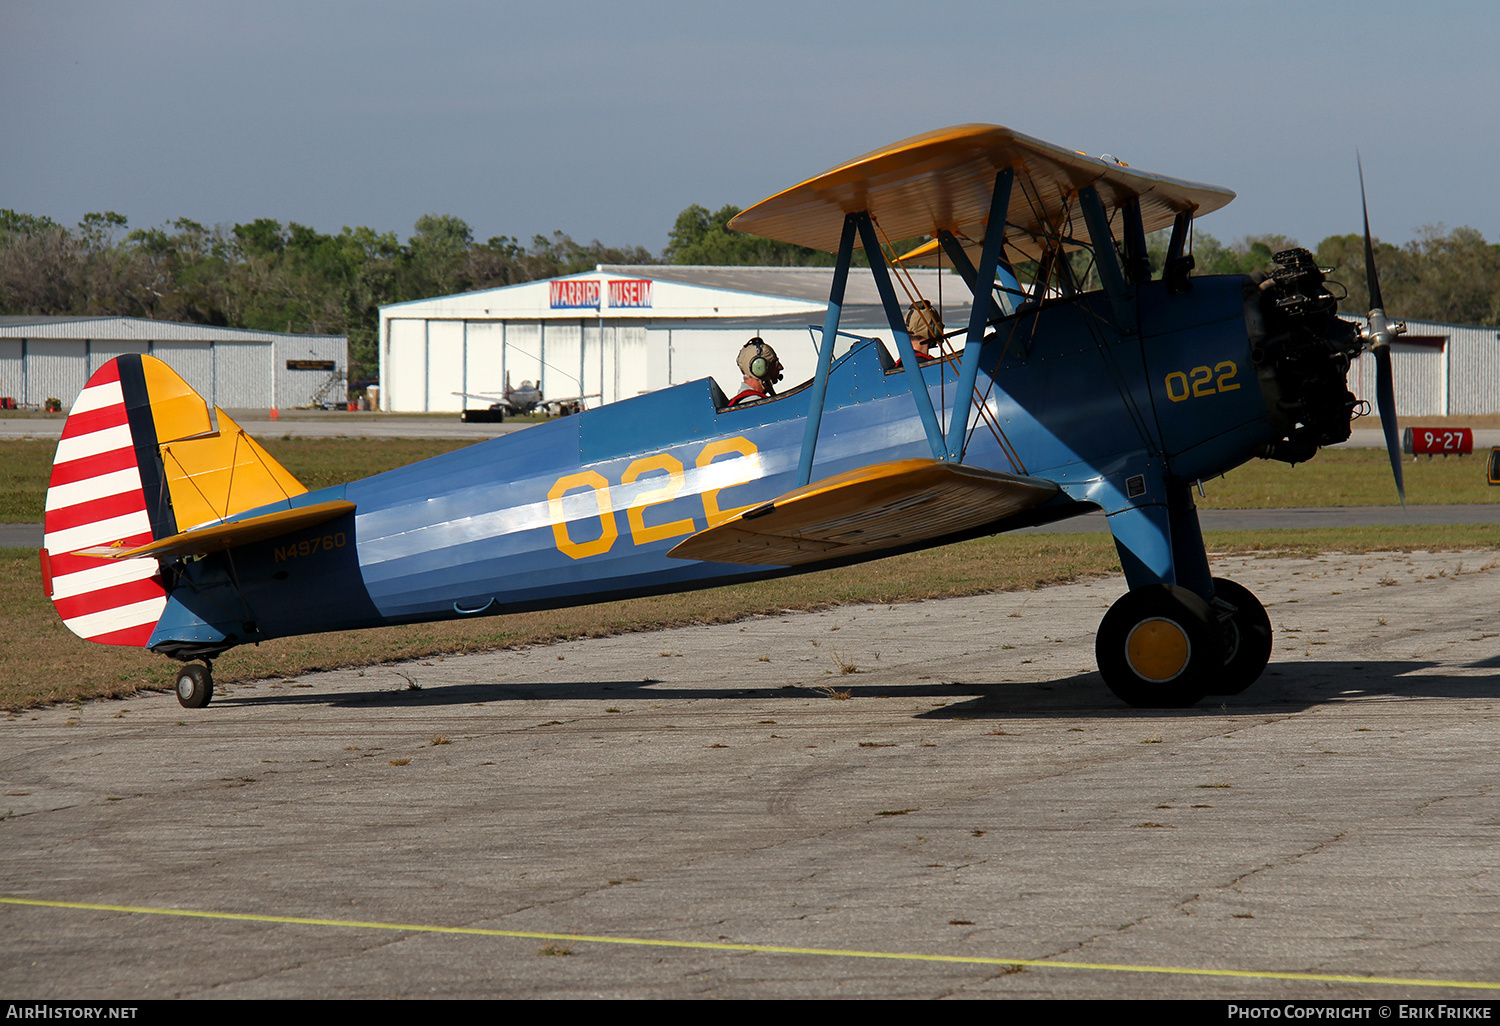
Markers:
{"x": 605, "y": 120}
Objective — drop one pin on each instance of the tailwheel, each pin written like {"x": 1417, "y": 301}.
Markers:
{"x": 1159, "y": 647}
{"x": 1247, "y": 637}
{"x": 195, "y": 685}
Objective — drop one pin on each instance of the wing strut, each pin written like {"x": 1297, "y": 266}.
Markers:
{"x": 1106, "y": 260}
{"x": 909, "y": 361}
{"x": 965, "y": 268}
{"x": 819, "y": 389}
{"x": 984, "y": 291}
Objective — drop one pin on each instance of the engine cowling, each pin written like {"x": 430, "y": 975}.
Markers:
{"x": 1302, "y": 353}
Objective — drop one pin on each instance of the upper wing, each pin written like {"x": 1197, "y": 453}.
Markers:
{"x": 944, "y": 179}
{"x": 865, "y": 511}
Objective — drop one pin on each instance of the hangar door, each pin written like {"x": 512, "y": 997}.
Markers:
{"x": 405, "y": 371}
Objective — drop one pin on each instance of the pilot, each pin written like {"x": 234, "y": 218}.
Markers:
{"x": 761, "y": 370}
{"x": 925, "y": 326}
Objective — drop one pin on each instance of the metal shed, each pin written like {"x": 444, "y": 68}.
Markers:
{"x": 45, "y": 358}
{"x": 1440, "y": 370}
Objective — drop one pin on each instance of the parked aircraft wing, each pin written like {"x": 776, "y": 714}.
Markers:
{"x": 882, "y": 506}
{"x": 944, "y": 179}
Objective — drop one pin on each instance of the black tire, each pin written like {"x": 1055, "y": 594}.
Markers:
{"x": 195, "y": 686}
{"x": 1159, "y": 647}
{"x": 1247, "y": 639}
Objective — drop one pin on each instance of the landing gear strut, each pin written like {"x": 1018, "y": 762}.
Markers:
{"x": 195, "y": 685}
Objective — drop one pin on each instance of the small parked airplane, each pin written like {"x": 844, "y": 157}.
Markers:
{"x": 517, "y": 401}
{"x": 168, "y": 527}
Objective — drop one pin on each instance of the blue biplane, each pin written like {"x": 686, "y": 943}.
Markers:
{"x": 1082, "y": 382}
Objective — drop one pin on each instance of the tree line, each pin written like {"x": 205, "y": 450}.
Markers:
{"x": 274, "y": 277}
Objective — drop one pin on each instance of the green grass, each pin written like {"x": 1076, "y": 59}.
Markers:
{"x": 1350, "y": 477}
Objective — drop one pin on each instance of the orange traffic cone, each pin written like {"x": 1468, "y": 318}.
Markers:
{"x": 275, "y": 414}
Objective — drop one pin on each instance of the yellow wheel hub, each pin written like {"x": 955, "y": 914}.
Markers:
{"x": 1158, "y": 649}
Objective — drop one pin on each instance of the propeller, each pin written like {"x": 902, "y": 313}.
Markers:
{"x": 1379, "y": 332}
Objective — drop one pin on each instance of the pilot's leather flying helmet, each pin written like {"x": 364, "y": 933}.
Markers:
{"x": 758, "y": 360}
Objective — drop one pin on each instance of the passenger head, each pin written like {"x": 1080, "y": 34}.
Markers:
{"x": 758, "y": 360}
{"x": 925, "y": 326}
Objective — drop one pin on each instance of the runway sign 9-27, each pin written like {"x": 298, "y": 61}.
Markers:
{"x": 1420, "y": 441}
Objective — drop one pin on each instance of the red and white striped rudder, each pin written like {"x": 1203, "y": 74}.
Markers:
{"x": 96, "y": 498}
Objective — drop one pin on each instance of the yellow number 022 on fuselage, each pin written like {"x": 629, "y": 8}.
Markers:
{"x": 1202, "y": 381}
{"x": 672, "y": 485}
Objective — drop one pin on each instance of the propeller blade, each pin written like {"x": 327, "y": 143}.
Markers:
{"x": 1372, "y": 279}
{"x": 1379, "y": 332}
{"x": 1385, "y": 404}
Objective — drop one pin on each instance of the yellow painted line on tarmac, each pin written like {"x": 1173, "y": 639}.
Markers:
{"x": 767, "y": 949}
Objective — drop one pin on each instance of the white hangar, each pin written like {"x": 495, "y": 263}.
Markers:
{"x": 45, "y": 358}
{"x": 618, "y": 331}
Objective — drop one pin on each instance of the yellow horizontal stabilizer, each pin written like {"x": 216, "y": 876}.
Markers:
{"x": 226, "y": 536}
{"x": 215, "y": 476}
{"x": 882, "y": 506}
{"x": 944, "y": 179}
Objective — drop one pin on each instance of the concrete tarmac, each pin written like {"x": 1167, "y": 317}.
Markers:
{"x": 926, "y": 800}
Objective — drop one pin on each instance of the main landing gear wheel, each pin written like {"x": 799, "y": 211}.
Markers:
{"x": 1247, "y": 639}
{"x": 195, "y": 685}
{"x": 1159, "y": 647}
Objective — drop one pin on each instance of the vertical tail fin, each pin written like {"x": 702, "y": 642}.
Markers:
{"x": 139, "y": 460}
{"x": 98, "y": 496}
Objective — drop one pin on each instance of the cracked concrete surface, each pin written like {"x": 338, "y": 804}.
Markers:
{"x": 978, "y": 793}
